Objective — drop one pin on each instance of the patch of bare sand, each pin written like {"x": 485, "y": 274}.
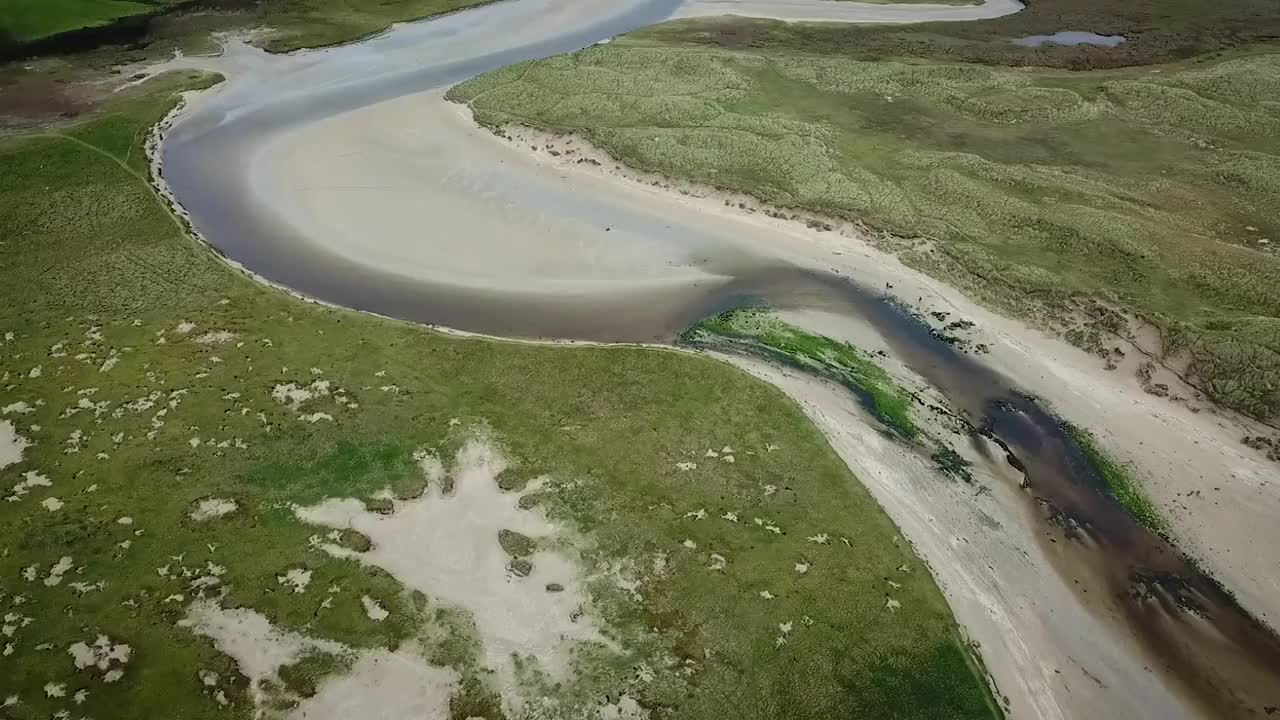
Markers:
{"x": 259, "y": 648}
{"x": 452, "y": 177}
{"x": 446, "y": 545}
{"x": 210, "y": 508}
{"x": 12, "y": 445}
{"x": 383, "y": 685}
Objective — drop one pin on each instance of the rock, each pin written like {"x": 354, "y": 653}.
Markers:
{"x": 515, "y": 544}
{"x": 520, "y": 567}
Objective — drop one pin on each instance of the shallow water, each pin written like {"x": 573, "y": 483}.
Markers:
{"x": 1070, "y": 37}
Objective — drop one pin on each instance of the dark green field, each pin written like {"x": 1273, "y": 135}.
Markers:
{"x": 24, "y": 20}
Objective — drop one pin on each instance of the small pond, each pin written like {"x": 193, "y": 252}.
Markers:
{"x": 1070, "y": 37}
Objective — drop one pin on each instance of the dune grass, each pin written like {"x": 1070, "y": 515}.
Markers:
{"x": 1063, "y": 197}
{"x": 761, "y": 331}
{"x": 1155, "y": 31}
{"x": 149, "y": 378}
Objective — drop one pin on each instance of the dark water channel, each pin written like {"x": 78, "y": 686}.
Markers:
{"x": 1223, "y": 659}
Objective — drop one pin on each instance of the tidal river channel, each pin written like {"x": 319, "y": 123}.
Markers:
{"x": 343, "y": 175}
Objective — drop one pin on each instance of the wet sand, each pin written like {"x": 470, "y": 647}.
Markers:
{"x": 331, "y": 174}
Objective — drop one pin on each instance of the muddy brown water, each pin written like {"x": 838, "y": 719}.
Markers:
{"x": 1223, "y": 659}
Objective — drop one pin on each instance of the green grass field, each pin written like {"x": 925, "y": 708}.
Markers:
{"x": 147, "y": 377}
{"x": 1063, "y": 197}
{"x": 299, "y": 23}
{"x": 24, "y": 20}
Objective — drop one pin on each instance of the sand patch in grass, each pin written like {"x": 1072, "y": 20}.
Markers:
{"x": 259, "y": 648}
{"x": 211, "y": 508}
{"x": 383, "y": 685}
{"x": 12, "y": 444}
{"x": 446, "y": 545}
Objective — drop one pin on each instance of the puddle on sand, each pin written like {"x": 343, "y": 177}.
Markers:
{"x": 1221, "y": 657}
{"x": 1070, "y": 37}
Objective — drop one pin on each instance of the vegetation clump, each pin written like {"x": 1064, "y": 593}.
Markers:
{"x": 1117, "y": 481}
{"x": 515, "y": 544}
{"x": 764, "y": 332}
{"x": 303, "y": 677}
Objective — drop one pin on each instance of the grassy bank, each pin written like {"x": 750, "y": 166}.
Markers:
{"x": 1155, "y": 31}
{"x": 153, "y": 385}
{"x": 26, "y": 20}
{"x": 761, "y": 331}
{"x": 300, "y": 23}
{"x": 1061, "y": 197}
{"x": 1118, "y": 481}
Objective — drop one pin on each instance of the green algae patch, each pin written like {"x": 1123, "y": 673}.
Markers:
{"x": 1118, "y": 481}
{"x": 765, "y": 333}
